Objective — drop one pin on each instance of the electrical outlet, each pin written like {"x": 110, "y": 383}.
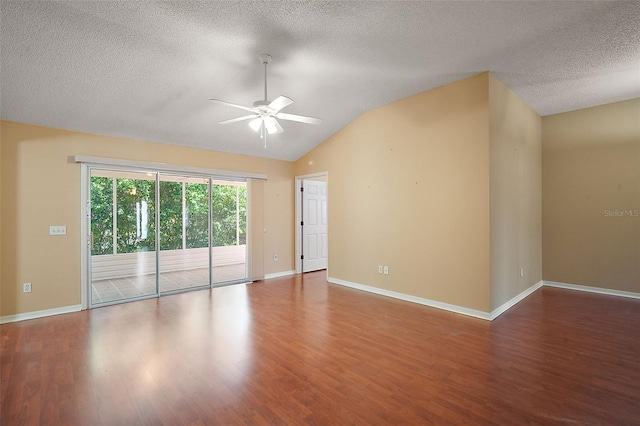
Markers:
{"x": 26, "y": 288}
{"x": 379, "y": 269}
{"x": 522, "y": 272}
{"x": 275, "y": 257}
{"x": 386, "y": 270}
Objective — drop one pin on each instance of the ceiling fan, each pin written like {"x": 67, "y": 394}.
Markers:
{"x": 264, "y": 113}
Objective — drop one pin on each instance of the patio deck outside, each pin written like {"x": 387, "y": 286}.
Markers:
{"x": 111, "y": 290}
{"x": 131, "y": 275}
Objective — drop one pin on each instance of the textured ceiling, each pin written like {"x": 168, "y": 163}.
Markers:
{"x": 147, "y": 70}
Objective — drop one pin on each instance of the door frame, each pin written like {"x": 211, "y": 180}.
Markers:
{"x": 298, "y": 216}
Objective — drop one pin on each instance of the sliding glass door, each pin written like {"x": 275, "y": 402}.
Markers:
{"x": 184, "y": 232}
{"x": 155, "y": 233}
{"x": 229, "y": 231}
{"x": 123, "y": 236}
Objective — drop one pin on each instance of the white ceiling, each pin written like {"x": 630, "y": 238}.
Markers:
{"x": 147, "y": 70}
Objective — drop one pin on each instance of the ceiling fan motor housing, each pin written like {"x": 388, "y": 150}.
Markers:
{"x": 262, "y": 105}
{"x": 265, "y": 58}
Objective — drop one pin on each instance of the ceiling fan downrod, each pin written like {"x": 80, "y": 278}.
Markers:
{"x": 265, "y": 58}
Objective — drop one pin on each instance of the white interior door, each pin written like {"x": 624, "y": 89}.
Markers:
{"x": 314, "y": 229}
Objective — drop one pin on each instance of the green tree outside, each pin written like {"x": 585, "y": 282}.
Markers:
{"x": 223, "y": 203}
{"x": 135, "y": 206}
{"x": 170, "y": 215}
{"x": 197, "y": 211}
{"x": 101, "y": 215}
{"x": 136, "y": 230}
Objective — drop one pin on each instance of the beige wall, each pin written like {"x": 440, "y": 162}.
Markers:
{"x": 256, "y": 227}
{"x": 41, "y": 187}
{"x": 1, "y": 198}
{"x": 591, "y": 164}
{"x": 409, "y": 188}
{"x": 443, "y": 187}
{"x": 516, "y": 186}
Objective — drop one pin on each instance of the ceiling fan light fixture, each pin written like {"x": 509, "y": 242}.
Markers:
{"x": 256, "y": 124}
{"x": 270, "y": 124}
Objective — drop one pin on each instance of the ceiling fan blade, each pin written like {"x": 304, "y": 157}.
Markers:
{"x": 235, "y": 120}
{"x": 232, "y": 105}
{"x": 299, "y": 118}
{"x": 280, "y": 102}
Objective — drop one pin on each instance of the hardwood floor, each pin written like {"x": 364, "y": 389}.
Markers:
{"x": 297, "y": 350}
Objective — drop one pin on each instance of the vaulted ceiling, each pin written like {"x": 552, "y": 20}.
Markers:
{"x": 147, "y": 70}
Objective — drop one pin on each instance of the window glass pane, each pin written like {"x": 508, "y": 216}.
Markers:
{"x": 128, "y": 270}
{"x": 184, "y": 233}
{"x": 170, "y": 215}
{"x": 229, "y": 231}
{"x": 136, "y": 215}
{"x": 223, "y": 200}
{"x": 101, "y": 215}
{"x": 197, "y": 211}
{"x": 242, "y": 202}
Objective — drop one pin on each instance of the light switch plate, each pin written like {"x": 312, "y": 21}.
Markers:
{"x": 58, "y": 230}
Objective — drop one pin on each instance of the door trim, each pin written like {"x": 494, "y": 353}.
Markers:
{"x": 85, "y": 227}
{"x": 298, "y": 216}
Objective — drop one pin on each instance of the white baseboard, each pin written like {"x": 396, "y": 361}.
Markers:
{"x": 511, "y": 303}
{"x": 490, "y": 316}
{"x": 480, "y": 314}
{"x": 401, "y": 296}
{"x": 279, "y": 274}
{"x": 414, "y": 299}
{"x": 40, "y": 314}
{"x": 598, "y": 290}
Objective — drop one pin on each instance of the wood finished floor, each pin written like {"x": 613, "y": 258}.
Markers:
{"x": 297, "y": 350}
